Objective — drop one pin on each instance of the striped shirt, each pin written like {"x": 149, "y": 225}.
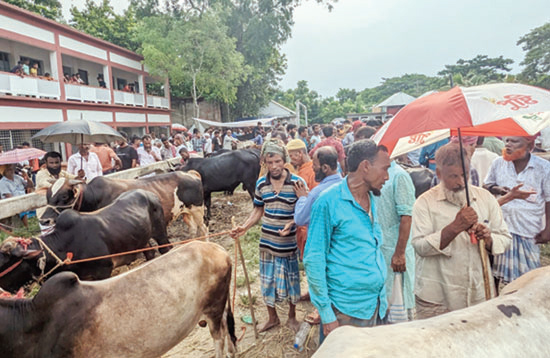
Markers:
{"x": 278, "y": 211}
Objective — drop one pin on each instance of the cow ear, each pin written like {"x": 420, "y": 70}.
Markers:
{"x": 74, "y": 182}
{"x": 21, "y": 253}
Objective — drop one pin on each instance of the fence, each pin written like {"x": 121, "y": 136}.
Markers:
{"x": 19, "y": 204}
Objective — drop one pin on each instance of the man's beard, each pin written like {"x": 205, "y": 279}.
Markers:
{"x": 319, "y": 176}
{"x": 517, "y": 154}
{"x": 457, "y": 198}
{"x": 54, "y": 171}
{"x": 276, "y": 177}
{"x": 375, "y": 192}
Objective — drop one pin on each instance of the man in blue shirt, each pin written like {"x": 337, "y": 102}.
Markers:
{"x": 343, "y": 259}
{"x": 325, "y": 166}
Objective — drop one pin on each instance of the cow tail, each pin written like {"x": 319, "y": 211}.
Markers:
{"x": 230, "y": 322}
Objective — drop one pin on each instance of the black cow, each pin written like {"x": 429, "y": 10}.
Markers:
{"x": 141, "y": 314}
{"x": 226, "y": 171}
{"x": 178, "y": 192}
{"x": 421, "y": 177}
{"x": 127, "y": 224}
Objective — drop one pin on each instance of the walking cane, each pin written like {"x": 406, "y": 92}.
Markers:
{"x": 473, "y": 238}
{"x": 250, "y": 304}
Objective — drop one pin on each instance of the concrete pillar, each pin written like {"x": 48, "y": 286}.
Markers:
{"x": 106, "y": 76}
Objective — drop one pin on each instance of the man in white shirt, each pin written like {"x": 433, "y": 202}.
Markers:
{"x": 523, "y": 180}
{"x": 84, "y": 163}
{"x": 146, "y": 154}
{"x": 482, "y": 159}
{"x": 228, "y": 140}
{"x": 207, "y": 145}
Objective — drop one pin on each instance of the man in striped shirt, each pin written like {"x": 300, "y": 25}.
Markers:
{"x": 274, "y": 202}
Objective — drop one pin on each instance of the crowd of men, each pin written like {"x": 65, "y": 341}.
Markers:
{"x": 333, "y": 198}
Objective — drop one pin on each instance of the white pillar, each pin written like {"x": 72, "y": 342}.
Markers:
{"x": 54, "y": 68}
{"x": 106, "y": 76}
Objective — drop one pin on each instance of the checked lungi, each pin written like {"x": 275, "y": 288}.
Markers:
{"x": 522, "y": 257}
{"x": 280, "y": 278}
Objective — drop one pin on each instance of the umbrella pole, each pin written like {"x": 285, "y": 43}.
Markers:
{"x": 82, "y": 142}
{"x": 481, "y": 242}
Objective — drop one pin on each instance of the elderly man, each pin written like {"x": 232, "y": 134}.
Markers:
{"x": 12, "y": 185}
{"x": 299, "y": 158}
{"x": 274, "y": 201}
{"x": 343, "y": 257}
{"x": 448, "y": 266}
{"x": 395, "y": 216}
{"x": 523, "y": 180}
{"x": 85, "y": 163}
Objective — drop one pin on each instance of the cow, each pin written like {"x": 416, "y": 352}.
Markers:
{"x": 179, "y": 193}
{"x": 142, "y": 313}
{"x": 225, "y": 172}
{"x": 511, "y": 325}
{"x": 127, "y": 224}
{"x": 421, "y": 177}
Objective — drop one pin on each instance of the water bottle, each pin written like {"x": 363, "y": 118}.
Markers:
{"x": 301, "y": 336}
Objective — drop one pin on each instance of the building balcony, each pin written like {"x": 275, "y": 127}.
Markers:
{"x": 157, "y": 102}
{"x": 11, "y": 84}
{"x": 129, "y": 98}
{"x": 83, "y": 93}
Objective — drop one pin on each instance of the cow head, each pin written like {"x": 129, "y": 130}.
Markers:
{"x": 61, "y": 195}
{"x": 17, "y": 263}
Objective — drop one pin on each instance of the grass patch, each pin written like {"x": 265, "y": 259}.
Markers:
{"x": 545, "y": 250}
{"x": 32, "y": 230}
{"x": 244, "y": 299}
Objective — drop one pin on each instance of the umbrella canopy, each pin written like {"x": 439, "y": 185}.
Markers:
{"x": 502, "y": 109}
{"x": 76, "y": 132}
{"x": 19, "y": 155}
{"x": 178, "y": 127}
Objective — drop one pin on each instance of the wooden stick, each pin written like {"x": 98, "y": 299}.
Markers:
{"x": 250, "y": 304}
{"x": 485, "y": 268}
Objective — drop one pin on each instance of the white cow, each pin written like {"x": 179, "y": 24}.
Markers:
{"x": 515, "y": 324}
{"x": 140, "y": 314}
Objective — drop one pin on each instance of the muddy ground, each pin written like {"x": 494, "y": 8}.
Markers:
{"x": 276, "y": 342}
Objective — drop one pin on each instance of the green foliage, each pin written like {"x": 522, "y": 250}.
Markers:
{"x": 47, "y": 8}
{"x": 195, "y": 53}
{"x": 100, "y": 20}
{"x": 32, "y": 230}
{"x": 481, "y": 69}
{"x": 537, "y": 57}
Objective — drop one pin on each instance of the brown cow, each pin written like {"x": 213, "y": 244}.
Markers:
{"x": 180, "y": 194}
{"x": 140, "y": 314}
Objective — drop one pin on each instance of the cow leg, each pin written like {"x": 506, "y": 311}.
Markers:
{"x": 149, "y": 254}
{"x": 207, "y": 202}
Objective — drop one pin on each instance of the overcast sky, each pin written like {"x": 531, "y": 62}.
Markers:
{"x": 362, "y": 41}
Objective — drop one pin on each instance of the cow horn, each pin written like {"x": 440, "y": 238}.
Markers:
{"x": 75, "y": 181}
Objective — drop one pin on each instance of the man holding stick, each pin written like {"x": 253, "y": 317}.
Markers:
{"x": 449, "y": 273}
{"x": 274, "y": 202}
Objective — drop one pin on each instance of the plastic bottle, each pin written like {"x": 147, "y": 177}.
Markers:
{"x": 301, "y": 336}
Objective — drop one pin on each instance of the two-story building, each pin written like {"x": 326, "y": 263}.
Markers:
{"x": 112, "y": 87}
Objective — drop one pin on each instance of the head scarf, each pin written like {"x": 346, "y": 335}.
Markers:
{"x": 275, "y": 146}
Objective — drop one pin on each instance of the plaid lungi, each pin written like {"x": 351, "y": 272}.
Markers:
{"x": 522, "y": 257}
{"x": 280, "y": 278}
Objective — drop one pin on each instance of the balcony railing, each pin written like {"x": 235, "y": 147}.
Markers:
{"x": 87, "y": 93}
{"x": 129, "y": 99}
{"x": 28, "y": 86}
{"x": 157, "y": 102}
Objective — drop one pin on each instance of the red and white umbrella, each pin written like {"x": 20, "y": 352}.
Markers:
{"x": 178, "y": 127}
{"x": 502, "y": 109}
{"x": 20, "y": 155}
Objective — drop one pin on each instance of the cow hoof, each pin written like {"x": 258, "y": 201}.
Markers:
{"x": 202, "y": 323}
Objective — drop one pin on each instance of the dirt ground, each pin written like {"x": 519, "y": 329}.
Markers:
{"x": 276, "y": 342}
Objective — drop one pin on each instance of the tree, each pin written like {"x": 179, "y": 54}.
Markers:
{"x": 537, "y": 57}
{"x": 195, "y": 54}
{"x": 47, "y": 8}
{"x": 481, "y": 69}
{"x": 100, "y": 20}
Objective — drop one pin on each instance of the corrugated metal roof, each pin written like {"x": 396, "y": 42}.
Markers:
{"x": 397, "y": 99}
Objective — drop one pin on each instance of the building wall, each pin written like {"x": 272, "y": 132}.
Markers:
{"x": 183, "y": 112}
